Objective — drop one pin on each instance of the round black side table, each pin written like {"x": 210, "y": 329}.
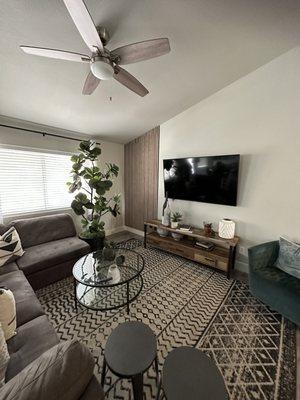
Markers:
{"x": 129, "y": 352}
{"x": 190, "y": 374}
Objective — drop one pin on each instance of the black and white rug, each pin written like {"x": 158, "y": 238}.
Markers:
{"x": 187, "y": 304}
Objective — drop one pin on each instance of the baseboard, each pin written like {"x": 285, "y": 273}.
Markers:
{"x": 132, "y": 230}
{"x": 114, "y": 230}
{"x": 241, "y": 266}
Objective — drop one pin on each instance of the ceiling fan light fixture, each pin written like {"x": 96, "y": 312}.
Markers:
{"x": 102, "y": 68}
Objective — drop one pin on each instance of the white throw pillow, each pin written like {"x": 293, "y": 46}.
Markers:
{"x": 10, "y": 246}
{"x": 7, "y": 312}
{"x": 4, "y": 357}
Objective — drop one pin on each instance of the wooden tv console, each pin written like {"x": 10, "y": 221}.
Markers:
{"x": 222, "y": 257}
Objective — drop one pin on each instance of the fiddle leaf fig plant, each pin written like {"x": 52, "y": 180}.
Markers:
{"x": 92, "y": 185}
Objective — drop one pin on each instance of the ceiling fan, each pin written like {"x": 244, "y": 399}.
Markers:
{"x": 104, "y": 64}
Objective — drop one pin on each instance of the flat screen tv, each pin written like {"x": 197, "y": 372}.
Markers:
{"x": 212, "y": 179}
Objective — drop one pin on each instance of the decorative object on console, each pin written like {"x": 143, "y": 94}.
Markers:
{"x": 162, "y": 232}
{"x": 208, "y": 231}
{"x": 289, "y": 257}
{"x": 185, "y": 228}
{"x": 226, "y": 228}
{"x": 176, "y": 217}
{"x": 94, "y": 204}
{"x": 176, "y": 236}
{"x": 8, "y": 312}
{"x": 166, "y": 212}
{"x": 205, "y": 245}
{"x": 10, "y": 246}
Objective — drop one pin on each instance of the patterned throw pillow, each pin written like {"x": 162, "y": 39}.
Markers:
{"x": 289, "y": 257}
{"x": 8, "y": 312}
{"x": 10, "y": 246}
{"x": 4, "y": 357}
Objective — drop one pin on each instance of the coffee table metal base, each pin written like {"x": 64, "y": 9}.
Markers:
{"x": 82, "y": 293}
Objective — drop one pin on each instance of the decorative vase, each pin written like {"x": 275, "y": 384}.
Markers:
{"x": 166, "y": 212}
{"x": 226, "y": 228}
{"x": 174, "y": 225}
{"x": 208, "y": 231}
{"x": 114, "y": 274}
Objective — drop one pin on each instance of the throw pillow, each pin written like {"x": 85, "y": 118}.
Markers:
{"x": 7, "y": 312}
{"x": 4, "y": 357}
{"x": 10, "y": 246}
{"x": 63, "y": 372}
{"x": 289, "y": 257}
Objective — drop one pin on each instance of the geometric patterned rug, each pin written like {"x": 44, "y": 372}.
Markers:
{"x": 185, "y": 303}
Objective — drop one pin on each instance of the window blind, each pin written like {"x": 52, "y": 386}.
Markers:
{"x": 33, "y": 181}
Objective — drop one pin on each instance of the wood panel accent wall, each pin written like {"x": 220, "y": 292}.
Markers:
{"x": 141, "y": 164}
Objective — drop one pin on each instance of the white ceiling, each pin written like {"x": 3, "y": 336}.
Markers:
{"x": 213, "y": 43}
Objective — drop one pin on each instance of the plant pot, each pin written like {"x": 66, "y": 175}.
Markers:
{"x": 174, "y": 224}
{"x": 96, "y": 243}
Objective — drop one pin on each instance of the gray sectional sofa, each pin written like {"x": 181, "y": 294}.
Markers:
{"x": 51, "y": 248}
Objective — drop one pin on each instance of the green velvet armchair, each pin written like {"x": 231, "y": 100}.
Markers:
{"x": 272, "y": 286}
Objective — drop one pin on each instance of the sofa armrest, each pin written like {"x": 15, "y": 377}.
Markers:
{"x": 63, "y": 372}
{"x": 263, "y": 255}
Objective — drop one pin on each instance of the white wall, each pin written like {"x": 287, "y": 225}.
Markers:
{"x": 111, "y": 152}
{"x": 258, "y": 116}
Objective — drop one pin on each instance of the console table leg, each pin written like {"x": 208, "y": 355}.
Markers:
{"x": 145, "y": 236}
{"x": 232, "y": 252}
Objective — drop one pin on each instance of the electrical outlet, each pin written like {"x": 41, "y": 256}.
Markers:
{"x": 243, "y": 250}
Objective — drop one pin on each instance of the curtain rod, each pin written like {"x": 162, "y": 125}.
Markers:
{"x": 43, "y": 133}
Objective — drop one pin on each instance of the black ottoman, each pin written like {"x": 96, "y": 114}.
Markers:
{"x": 130, "y": 350}
{"x": 190, "y": 374}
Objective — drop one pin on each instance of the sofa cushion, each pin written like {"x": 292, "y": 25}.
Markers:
{"x": 5, "y": 269}
{"x": 27, "y": 304}
{"x": 93, "y": 390}
{"x": 32, "y": 339}
{"x": 8, "y": 312}
{"x": 38, "y": 230}
{"x": 10, "y": 246}
{"x": 62, "y": 372}
{"x": 49, "y": 254}
{"x": 4, "y": 357}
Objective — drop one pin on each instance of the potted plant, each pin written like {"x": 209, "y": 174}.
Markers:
{"x": 92, "y": 185}
{"x": 176, "y": 217}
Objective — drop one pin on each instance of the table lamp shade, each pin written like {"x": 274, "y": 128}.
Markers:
{"x": 226, "y": 229}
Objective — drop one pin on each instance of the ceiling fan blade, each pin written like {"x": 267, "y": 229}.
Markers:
{"x": 84, "y": 23}
{"x": 126, "y": 79}
{"x": 54, "y": 53}
{"x": 90, "y": 84}
{"x": 141, "y": 51}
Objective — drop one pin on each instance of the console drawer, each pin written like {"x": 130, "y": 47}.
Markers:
{"x": 205, "y": 260}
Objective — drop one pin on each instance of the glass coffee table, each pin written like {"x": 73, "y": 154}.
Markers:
{"x": 106, "y": 280}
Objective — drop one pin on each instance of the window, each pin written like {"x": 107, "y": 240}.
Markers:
{"x": 33, "y": 181}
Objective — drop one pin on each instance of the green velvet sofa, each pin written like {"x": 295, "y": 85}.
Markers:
{"x": 269, "y": 284}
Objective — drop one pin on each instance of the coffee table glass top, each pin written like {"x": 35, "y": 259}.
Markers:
{"x": 107, "y": 268}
